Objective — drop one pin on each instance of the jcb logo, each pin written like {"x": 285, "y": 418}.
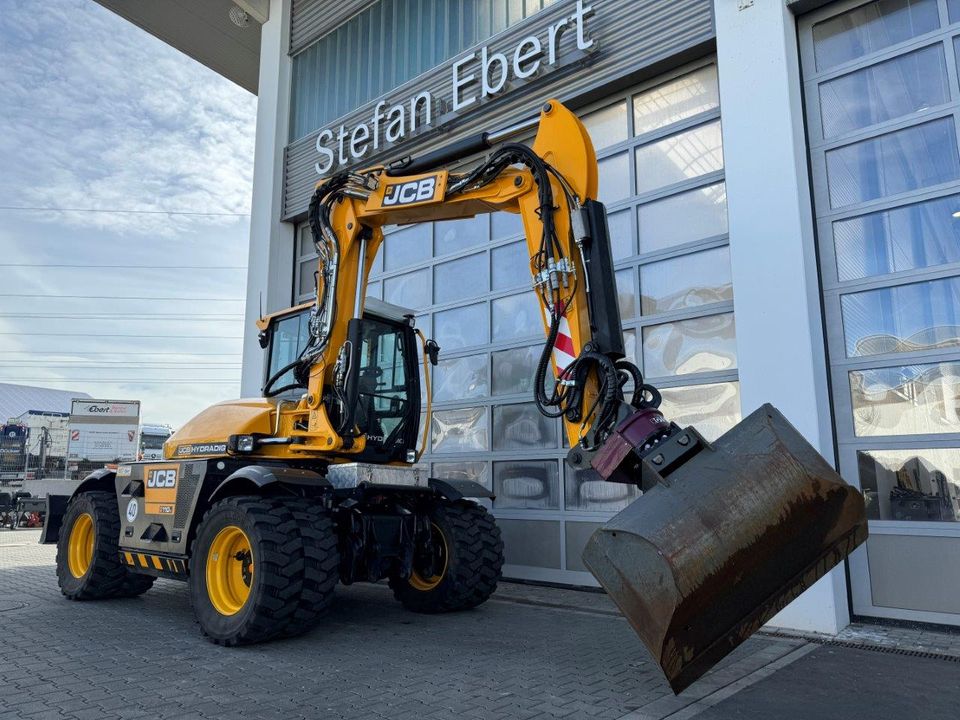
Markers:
{"x": 162, "y": 479}
{"x": 411, "y": 192}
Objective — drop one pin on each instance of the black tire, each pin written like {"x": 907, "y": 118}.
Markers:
{"x": 321, "y": 566}
{"x": 106, "y": 576}
{"x": 136, "y": 584}
{"x": 276, "y": 582}
{"x": 474, "y": 559}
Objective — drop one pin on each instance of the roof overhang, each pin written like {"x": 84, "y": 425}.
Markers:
{"x": 204, "y": 30}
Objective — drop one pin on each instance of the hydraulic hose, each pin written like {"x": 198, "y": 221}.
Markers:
{"x": 427, "y": 372}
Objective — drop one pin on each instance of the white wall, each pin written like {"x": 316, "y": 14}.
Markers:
{"x": 780, "y": 343}
{"x": 270, "y": 265}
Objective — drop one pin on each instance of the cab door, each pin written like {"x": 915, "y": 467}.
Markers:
{"x": 387, "y": 389}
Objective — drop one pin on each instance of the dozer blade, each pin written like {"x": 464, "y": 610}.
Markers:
{"x": 726, "y": 540}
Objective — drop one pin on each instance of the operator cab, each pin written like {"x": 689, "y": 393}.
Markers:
{"x": 383, "y": 378}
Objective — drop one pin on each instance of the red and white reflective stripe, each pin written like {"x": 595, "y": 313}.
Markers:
{"x": 564, "y": 351}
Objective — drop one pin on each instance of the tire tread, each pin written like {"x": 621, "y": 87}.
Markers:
{"x": 321, "y": 564}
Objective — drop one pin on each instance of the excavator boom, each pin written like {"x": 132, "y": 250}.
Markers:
{"x": 725, "y": 533}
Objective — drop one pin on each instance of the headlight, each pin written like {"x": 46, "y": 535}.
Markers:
{"x": 241, "y": 443}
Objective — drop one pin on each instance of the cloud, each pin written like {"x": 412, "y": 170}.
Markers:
{"x": 175, "y": 356}
{"x": 96, "y": 113}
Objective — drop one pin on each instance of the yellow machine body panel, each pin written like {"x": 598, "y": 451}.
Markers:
{"x": 208, "y": 432}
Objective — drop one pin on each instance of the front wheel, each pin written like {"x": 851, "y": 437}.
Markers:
{"x": 467, "y": 555}
{"x": 246, "y": 570}
{"x": 88, "y": 555}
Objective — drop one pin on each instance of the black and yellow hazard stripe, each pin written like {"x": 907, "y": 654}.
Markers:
{"x": 157, "y": 563}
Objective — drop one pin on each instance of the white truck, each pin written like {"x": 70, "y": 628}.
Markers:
{"x": 103, "y": 431}
{"x": 152, "y": 438}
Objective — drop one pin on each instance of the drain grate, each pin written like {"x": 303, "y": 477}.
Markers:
{"x": 867, "y": 646}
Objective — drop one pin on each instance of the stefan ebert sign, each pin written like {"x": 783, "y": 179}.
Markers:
{"x": 474, "y": 77}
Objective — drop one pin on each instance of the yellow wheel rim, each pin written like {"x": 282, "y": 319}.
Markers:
{"x": 80, "y": 545}
{"x": 229, "y": 570}
{"x": 417, "y": 581}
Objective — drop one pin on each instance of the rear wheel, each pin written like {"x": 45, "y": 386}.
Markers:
{"x": 88, "y": 555}
{"x": 464, "y": 566}
{"x": 246, "y": 570}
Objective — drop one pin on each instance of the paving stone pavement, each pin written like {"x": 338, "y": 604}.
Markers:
{"x": 914, "y": 637}
{"x": 510, "y": 658}
{"x": 531, "y": 652}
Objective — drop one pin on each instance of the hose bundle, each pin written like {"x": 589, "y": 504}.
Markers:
{"x": 566, "y": 397}
{"x": 328, "y": 251}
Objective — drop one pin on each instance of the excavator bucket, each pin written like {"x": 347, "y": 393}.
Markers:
{"x": 724, "y": 540}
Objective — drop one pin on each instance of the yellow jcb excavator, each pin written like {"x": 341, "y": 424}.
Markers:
{"x": 263, "y": 505}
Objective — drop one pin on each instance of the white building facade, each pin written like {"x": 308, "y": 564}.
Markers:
{"x": 783, "y": 186}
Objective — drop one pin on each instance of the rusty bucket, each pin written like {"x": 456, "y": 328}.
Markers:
{"x": 724, "y": 541}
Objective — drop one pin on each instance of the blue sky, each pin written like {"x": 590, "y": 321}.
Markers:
{"x": 97, "y": 114}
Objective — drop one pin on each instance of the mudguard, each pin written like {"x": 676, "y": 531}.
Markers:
{"x": 53, "y": 519}
{"x": 261, "y": 476}
{"x": 57, "y": 504}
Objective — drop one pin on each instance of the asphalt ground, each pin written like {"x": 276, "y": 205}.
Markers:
{"x": 530, "y": 652}
{"x": 841, "y": 682}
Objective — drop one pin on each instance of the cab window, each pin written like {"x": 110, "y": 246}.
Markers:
{"x": 290, "y": 336}
{"x": 153, "y": 442}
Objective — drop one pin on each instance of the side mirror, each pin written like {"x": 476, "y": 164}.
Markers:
{"x": 433, "y": 351}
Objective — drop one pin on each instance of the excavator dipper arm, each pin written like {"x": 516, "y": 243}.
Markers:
{"x": 551, "y": 185}
{"x": 726, "y": 532}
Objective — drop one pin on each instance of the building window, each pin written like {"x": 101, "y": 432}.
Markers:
{"x": 883, "y": 99}
{"x": 388, "y": 43}
{"x": 526, "y": 484}
{"x": 870, "y": 28}
{"x": 923, "y": 483}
